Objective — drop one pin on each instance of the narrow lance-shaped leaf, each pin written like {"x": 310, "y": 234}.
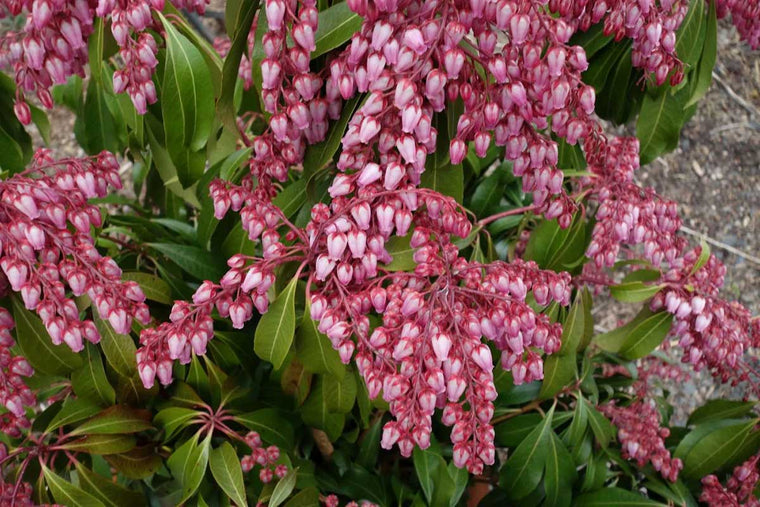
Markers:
{"x": 225, "y": 467}
{"x": 276, "y": 329}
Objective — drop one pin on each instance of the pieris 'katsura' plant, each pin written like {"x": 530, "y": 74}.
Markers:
{"x": 355, "y": 256}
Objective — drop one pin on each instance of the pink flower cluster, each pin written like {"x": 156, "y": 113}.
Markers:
{"x": 739, "y": 490}
{"x": 14, "y": 393}
{"x": 45, "y": 223}
{"x": 713, "y": 333}
{"x": 50, "y": 47}
{"x": 650, "y": 25}
{"x": 138, "y": 55}
{"x": 241, "y": 290}
{"x": 334, "y": 501}
{"x": 745, "y": 15}
{"x": 266, "y": 458}
{"x": 12, "y": 494}
{"x": 428, "y": 353}
{"x": 628, "y": 214}
{"x": 641, "y": 437}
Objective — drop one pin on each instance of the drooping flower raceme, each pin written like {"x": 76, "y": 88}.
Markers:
{"x": 48, "y": 254}
{"x": 739, "y": 490}
{"x": 15, "y": 396}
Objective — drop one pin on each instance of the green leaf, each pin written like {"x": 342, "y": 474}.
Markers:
{"x": 602, "y": 428}
{"x": 102, "y": 444}
{"x": 108, "y": 492}
{"x": 634, "y": 292}
{"x": 446, "y": 179}
{"x": 36, "y": 346}
{"x": 225, "y": 467}
{"x": 559, "y": 372}
{"x": 194, "y": 260}
{"x": 119, "y": 349}
{"x": 370, "y": 446}
{"x": 320, "y": 154}
{"x": 90, "y": 381}
{"x": 187, "y": 95}
{"x": 291, "y": 198}
{"x": 115, "y": 420}
{"x": 335, "y": 27}
{"x": 173, "y": 419}
{"x": 487, "y": 194}
{"x": 522, "y": 472}
{"x": 592, "y": 39}
{"x": 284, "y": 488}
{"x": 188, "y": 465}
{"x": 273, "y": 427}
{"x": 690, "y": 37}
{"x": 73, "y": 411}
{"x": 314, "y": 348}
{"x": 403, "y": 254}
{"x": 426, "y": 463}
{"x": 152, "y": 286}
{"x": 139, "y": 463}
{"x": 613, "y": 497}
{"x": 559, "y": 474}
{"x": 239, "y": 16}
{"x": 308, "y": 497}
{"x": 660, "y": 120}
{"x": 340, "y": 394}
{"x": 714, "y": 445}
{"x": 316, "y": 413}
{"x": 573, "y": 327}
{"x": 99, "y": 125}
{"x": 715, "y": 410}
{"x": 702, "y": 77}
{"x": 646, "y": 336}
{"x": 66, "y": 493}
{"x": 276, "y": 329}
{"x": 612, "y": 341}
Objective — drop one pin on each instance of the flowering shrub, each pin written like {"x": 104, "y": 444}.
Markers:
{"x": 347, "y": 254}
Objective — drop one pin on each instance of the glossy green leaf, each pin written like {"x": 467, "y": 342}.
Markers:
{"x": 602, "y": 428}
{"x": 273, "y": 427}
{"x": 314, "y": 348}
{"x": 308, "y": 497}
{"x": 152, "y": 286}
{"x": 613, "y": 497}
{"x": 225, "y": 467}
{"x": 194, "y": 260}
{"x": 559, "y": 473}
{"x": 402, "y": 252}
{"x": 369, "y": 447}
{"x": 188, "y": 465}
{"x": 715, "y": 410}
{"x": 239, "y": 16}
{"x": 276, "y": 329}
{"x": 73, "y": 411}
{"x": 173, "y": 419}
{"x": 702, "y": 77}
{"x": 115, "y": 420}
{"x": 559, "y": 372}
{"x": 426, "y": 464}
{"x": 634, "y": 292}
{"x": 99, "y": 125}
{"x": 340, "y": 394}
{"x": 65, "y": 493}
{"x": 36, "y": 346}
{"x": 108, "y": 492}
{"x": 660, "y": 120}
{"x": 446, "y": 179}
{"x": 646, "y": 336}
{"x": 523, "y": 470}
{"x": 119, "y": 349}
{"x": 335, "y": 27}
{"x": 690, "y": 37}
{"x": 283, "y": 489}
{"x": 187, "y": 96}
{"x": 714, "y": 445}
{"x": 90, "y": 381}
{"x": 102, "y": 444}
{"x": 315, "y": 412}
{"x": 139, "y": 463}
{"x": 291, "y": 198}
